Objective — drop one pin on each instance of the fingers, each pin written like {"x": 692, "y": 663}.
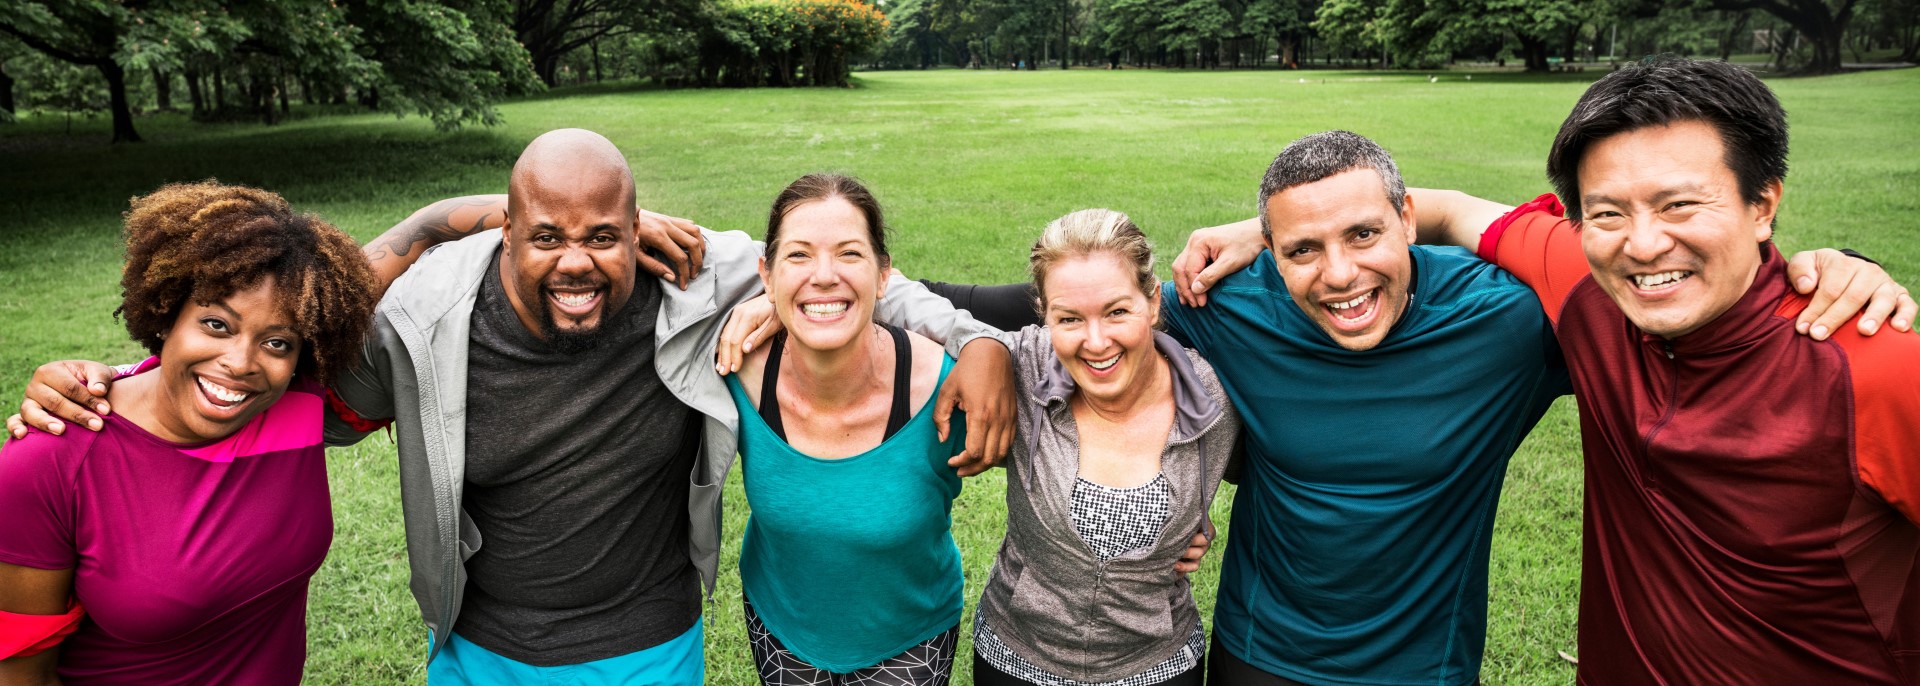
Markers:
{"x": 728, "y": 354}
{"x": 44, "y": 408}
{"x": 1185, "y": 267}
{"x": 15, "y": 427}
{"x": 98, "y": 377}
{"x": 943, "y": 405}
{"x": 1834, "y": 290}
{"x": 993, "y": 441}
{"x": 1190, "y": 560}
{"x": 695, "y": 245}
{"x": 1879, "y": 305}
{"x": 1803, "y": 270}
{"x": 1903, "y": 314}
{"x": 749, "y": 325}
{"x": 656, "y": 267}
{"x": 759, "y": 336}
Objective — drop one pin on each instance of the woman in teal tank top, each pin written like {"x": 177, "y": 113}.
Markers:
{"x": 849, "y": 566}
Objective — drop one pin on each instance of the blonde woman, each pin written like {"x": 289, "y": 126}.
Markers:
{"x": 1124, "y": 436}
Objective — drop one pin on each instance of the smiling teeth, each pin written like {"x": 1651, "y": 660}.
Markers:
{"x": 1650, "y": 281}
{"x": 225, "y": 395}
{"x": 824, "y": 309}
{"x": 1351, "y": 303}
{"x": 575, "y": 299}
{"x": 1106, "y": 364}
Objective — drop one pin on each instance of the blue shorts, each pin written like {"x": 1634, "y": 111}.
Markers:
{"x": 678, "y": 662}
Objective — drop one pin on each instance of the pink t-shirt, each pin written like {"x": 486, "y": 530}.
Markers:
{"x": 192, "y": 560}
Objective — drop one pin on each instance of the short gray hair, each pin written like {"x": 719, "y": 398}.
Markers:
{"x": 1325, "y": 154}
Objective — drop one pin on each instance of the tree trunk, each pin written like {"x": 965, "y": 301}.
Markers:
{"x": 547, "y": 66}
{"x": 1534, "y": 50}
{"x": 595, "y": 45}
{"x": 219, "y": 90}
{"x": 6, "y": 90}
{"x": 117, "y": 95}
{"x": 199, "y": 101}
{"x": 1828, "y": 38}
{"x": 1066, "y": 37}
{"x": 162, "y": 89}
{"x": 280, "y": 86}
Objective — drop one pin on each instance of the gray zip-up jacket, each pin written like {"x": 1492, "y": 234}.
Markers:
{"x": 413, "y": 369}
{"x": 1049, "y": 597}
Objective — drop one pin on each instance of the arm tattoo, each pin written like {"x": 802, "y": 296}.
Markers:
{"x": 433, "y": 227}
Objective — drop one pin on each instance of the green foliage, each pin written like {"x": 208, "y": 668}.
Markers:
{"x": 447, "y": 60}
{"x": 61, "y": 88}
{"x": 1419, "y": 33}
{"x": 788, "y": 42}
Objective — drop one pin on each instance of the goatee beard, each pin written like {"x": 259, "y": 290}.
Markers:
{"x": 572, "y": 341}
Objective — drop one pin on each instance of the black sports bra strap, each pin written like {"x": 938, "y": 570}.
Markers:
{"x": 902, "y": 381}
{"x": 902, "y": 384}
{"x": 769, "y": 387}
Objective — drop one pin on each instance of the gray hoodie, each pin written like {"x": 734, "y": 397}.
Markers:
{"x": 1049, "y": 597}
{"x": 413, "y": 369}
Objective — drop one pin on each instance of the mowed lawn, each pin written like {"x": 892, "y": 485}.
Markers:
{"x": 969, "y": 166}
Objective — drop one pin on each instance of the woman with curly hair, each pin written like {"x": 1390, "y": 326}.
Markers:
{"x": 175, "y": 545}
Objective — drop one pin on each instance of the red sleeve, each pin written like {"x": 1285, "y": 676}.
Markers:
{"x": 1541, "y": 247}
{"x": 37, "y": 499}
{"x": 338, "y": 407}
{"x": 1886, "y": 414}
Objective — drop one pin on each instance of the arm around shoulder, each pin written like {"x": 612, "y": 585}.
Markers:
{"x": 361, "y": 399}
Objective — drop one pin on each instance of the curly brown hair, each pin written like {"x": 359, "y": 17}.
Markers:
{"x": 205, "y": 241}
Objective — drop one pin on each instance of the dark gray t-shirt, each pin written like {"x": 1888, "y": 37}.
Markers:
{"x": 577, "y": 470}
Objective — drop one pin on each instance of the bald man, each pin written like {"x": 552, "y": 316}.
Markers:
{"x": 562, "y": 434}
{"x": 562, "y": 496}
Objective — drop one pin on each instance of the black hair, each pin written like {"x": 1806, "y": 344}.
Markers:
{"x": 1664, "y": 90}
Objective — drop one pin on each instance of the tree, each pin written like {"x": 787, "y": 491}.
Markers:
{"x": 1286, "y": 21}
{"x": 549, "y": 29}
{"x": 84, "y": 33}
{"x": 1823, "y": 22}
{"x": 1415, "y": 28}
{"x": 448, "y": 60}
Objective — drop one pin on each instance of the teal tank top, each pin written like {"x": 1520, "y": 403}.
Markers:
{"x": 851, "y": 561}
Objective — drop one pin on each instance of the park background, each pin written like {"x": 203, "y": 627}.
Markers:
{"x": 961, "y": 114}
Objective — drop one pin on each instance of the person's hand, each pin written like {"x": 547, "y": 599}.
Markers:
{"x": 981, "y": 384}
{"x": 70, "y": 390}
{"x": 1196, "y": 549}
{"x": 1842, "y": 286}
{"x": 749, "y": 324}
{"x": 1213, "y": 253}
{"x": 677, "y": 239}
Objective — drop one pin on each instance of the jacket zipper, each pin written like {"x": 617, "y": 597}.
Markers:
{"x": 1666, "y": 415}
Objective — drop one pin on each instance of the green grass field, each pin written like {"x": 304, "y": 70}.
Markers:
{"x": 969, "y": 165}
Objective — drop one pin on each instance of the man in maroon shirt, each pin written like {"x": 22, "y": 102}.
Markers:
{"x": 1752, "y": 494}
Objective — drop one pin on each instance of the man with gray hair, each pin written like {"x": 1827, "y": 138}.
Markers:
{"x": 1366, "y": 504}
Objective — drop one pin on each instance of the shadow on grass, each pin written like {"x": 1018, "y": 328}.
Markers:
{"x": 58, "y": 180}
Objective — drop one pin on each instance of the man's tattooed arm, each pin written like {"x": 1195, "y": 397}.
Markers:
{"x": 448, "y": 220}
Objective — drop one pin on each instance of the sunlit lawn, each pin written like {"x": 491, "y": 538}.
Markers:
{"x": 969, "y": 166}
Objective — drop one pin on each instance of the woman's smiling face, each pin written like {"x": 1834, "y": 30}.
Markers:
{"x": 225, "y": 362}
{"x": 825, "y": 274}
{"x": 1101, "y": 324}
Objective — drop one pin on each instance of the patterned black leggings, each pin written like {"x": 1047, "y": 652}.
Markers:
{"x": 927, "y": 664}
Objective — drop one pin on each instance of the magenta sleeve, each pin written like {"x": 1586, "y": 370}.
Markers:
{"x": 37, "y": 500}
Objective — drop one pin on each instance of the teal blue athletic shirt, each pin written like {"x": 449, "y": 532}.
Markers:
{"x": 851, "y": 561}
{"x": 1358, "y": 549}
